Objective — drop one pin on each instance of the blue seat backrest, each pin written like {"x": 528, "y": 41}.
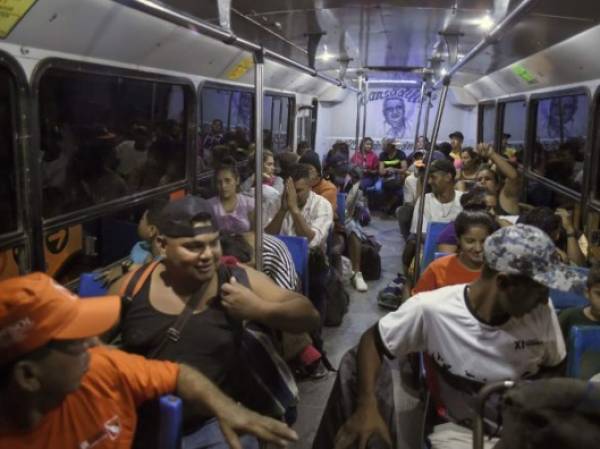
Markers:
{"x": 564, "y": 300}
{"x": 341, "y": 206}
{"x": 433, "y": 231}
{"x": 90, "y": 286}
{"x": 170, "y": 408}
{"x": 171, "y": 422}
{"x": 583, "y": 359}
{"x": 298, "y": 247}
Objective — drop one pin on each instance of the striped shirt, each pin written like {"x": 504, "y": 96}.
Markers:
{"x": 278, "y": 263}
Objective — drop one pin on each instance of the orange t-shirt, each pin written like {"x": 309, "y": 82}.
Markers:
{"x": 447, "y": 270}
{"x": 328, "y": 191}
{"x": 101, "y": 413}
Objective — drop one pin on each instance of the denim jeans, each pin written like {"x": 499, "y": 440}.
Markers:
{"x": 209, "y": 436}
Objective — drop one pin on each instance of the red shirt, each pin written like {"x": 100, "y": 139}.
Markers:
{"x": 447, "y": 270}
{"x": 368, "y": 161}
{"x": 101, "y": 413}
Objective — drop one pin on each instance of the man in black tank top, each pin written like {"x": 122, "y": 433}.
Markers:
{"x": 225, "y": 297}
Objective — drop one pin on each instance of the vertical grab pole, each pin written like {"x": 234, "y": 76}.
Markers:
{"x": 436, "y": 130}
{"x": 358, "y": 99}
{"x": 418, "y": 127}
{"x": 259, "y": 64}
{"x": 365, "y": 100}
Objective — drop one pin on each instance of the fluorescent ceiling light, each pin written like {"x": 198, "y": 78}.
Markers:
{"x": 444, "y": 72}
{"x": 384, "y": 81}
{"x": 485, "y": 23}
{"x": 325, "y": 56}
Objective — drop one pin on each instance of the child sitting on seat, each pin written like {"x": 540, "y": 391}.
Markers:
{"x": 588, "y": 315}
{"x": 472, "y": 228}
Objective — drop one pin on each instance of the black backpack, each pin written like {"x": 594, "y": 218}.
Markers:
{"x": 370, "y": 261}
{"x": 336, "y": 304}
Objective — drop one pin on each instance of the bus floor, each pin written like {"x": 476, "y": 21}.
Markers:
{"x": 362, "y": 314}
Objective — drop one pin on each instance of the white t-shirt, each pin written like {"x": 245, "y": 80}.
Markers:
{"x": 318, "y": 214}
{"x": 410, "y": 189}
{"x": 440, "y": 323}
{"x": 436, "y": 211}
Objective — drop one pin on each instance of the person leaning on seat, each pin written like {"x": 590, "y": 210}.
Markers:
{"x": 211, "y": 339}
{"x": 59, "y": 392}
{"x": 501, "y": 326}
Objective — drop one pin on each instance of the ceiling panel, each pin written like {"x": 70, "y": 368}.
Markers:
{"x": 400, "y": 33}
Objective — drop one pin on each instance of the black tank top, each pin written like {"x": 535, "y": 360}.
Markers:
{"x": 209, "y": 342}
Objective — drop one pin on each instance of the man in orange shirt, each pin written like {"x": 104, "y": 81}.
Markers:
{"x": 57, "y": 392}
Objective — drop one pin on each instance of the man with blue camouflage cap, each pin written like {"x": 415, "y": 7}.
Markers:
{"x": 501, "y": 326}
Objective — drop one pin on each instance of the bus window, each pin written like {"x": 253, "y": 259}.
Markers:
{"x": 488, "y": 123}
{"x": 240, "y": 119}
{"x": 11, "y": 262}
{"x": 89, "y": 246}
{"x": 105, "y": 137}
{"x": 268, "y": 122}
{"x": 512, "y": 133}
{"x": 560, "y": 136}
{"x": 283, "y": 128}
{"x": 275, "y": 137}
{"x": 8, "y": 180}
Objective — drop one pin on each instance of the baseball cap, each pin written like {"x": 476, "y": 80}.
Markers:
{"x": 34, "y": 309}
{"x": 187, "y": 217}
{"x": 528, "y": 251}
{"x": 443, "y": 165}
{"x": 457, "y": 134}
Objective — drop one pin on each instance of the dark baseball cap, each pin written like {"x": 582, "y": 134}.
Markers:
{"x": 457, "y": 134}
{"x": 187, "y": 217}
{"x": 443, "y": 165}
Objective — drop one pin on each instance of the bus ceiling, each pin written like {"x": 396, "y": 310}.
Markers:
{"x": 331, "y": 42}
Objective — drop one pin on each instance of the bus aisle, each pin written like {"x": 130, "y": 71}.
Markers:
{"x": 362, "y": 313}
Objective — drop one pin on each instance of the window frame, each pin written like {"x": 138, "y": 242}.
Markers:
{"x": 480, "y": 122}
{"x": 592, "y": 158}
{"x": 500, "y": 109}
{"x": 534, "y": 99}
{"x": 20, "y": 101}
{"x": 96, "y": 211}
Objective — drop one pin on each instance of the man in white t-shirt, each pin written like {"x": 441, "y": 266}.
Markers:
{"x": 501, "y": 326}
{"x": 441, "y": 205}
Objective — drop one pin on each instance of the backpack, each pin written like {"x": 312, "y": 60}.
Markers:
{"x": 370, "y": 261}
{"x": 337, "y": 298}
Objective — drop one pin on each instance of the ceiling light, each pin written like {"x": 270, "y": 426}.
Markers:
{"x": 444, "y": 72}
{"x": 485, "y": 23}
{"x": 325, "y": 56}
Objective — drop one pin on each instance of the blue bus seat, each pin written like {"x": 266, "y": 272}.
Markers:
{"x": 583, "y": 356}
{"x": 170, "y": 415}
{"x": 171, "y": 422}
{"x": 298, "y": 247}
{"x": 341, "y": 206}
{"x": 434, "y": 229}
{"x": 564, "y": 300}
{"x": 89, "y": 286}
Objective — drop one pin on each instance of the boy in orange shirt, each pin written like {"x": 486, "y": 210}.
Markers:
{"x": 58, "y": 393}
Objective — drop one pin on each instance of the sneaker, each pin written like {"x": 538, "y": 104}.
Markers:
{"x": 358, "y": 282}
{"x": 391, "y": 296}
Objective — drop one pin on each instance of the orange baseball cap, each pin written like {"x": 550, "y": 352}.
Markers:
{"x": 34, "y": 309}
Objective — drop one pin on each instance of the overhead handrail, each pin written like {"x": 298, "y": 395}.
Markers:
{"x": 173, "y": 16}
{"x": 508, "y": 20}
